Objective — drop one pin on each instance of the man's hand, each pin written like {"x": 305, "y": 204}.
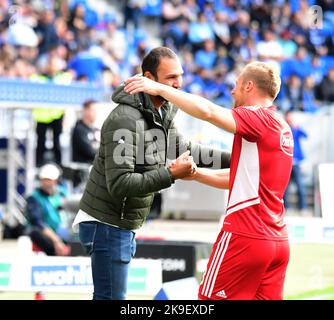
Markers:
{"x": 137, "y": 84}
{"x": 183, "y": 166}
{"x": 183, "y": 157}
{"x": 192, "y": 176}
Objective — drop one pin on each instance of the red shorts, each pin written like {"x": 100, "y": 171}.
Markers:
{"x": 242, "y": 268}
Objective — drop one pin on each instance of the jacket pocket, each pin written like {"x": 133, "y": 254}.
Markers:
{"x": 123, "y": 207}
{"x": 87, "y": 232}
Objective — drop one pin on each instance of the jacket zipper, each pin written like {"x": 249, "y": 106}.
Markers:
{"x": 167, "y": 145}
{"x": 166, "y": 137}
{"x": 165, "y": 132}
{"x": 123, "y": 206}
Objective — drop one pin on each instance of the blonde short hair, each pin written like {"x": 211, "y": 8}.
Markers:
{"x": 265, "y": 76}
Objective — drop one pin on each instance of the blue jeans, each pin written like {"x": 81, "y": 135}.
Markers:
{"x": 296, "y": 177}
{"x": 111, "y": 250}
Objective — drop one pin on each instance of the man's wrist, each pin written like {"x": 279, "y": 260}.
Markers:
{"x": 171, "y": 174}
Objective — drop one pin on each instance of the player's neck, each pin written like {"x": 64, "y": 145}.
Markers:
{"x": 87, "y": 122}
{"x": 264, "y": 102}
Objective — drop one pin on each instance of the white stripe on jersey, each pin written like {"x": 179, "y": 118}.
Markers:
{"x": 247, "y": 177}
{"x": 242, "y": 206}
{"x": 213, "y": 268}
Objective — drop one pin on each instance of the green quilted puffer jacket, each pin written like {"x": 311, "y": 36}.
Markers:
{"x": 130, "y": 165}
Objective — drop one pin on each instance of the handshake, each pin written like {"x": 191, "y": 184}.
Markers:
{"x": 183, "y": 167}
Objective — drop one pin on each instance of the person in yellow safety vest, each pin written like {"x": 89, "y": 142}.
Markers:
{"x": 49, "y": 118}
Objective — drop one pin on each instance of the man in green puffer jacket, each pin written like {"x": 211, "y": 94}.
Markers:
{"x": 136, "y": 139}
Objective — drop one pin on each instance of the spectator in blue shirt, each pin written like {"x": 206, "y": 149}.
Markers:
{"x": 206, "y": 58}
{"x": 300, "y": 65}
{"x": 85, "y": 63}
{"x": 309, "y": 102}
{"x": 200, "y": 30}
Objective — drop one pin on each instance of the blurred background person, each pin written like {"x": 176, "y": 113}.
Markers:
{"x": 326, "y": 87}
{"x": 45, "y": 223}
{"x": 85, "y": 138}
{"x": 298, "y": 156}
{"x": 48, "y": 119}
{"x": 132, "y": 10}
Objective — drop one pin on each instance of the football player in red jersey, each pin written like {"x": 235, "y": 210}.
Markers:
{"x": 251, "y": 253}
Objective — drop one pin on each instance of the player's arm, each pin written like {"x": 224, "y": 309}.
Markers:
{"x": 194, "y": 105}
{"x": 214, "y": 178}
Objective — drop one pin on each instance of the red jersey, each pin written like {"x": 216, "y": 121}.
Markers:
{"x": 261, "y": 163}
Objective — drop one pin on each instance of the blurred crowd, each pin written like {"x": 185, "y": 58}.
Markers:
{"x": 103, "y": 42}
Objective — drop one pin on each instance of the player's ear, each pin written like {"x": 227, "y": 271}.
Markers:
{"x": 149, "y": 75}
{"x": 249, "y": 85}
